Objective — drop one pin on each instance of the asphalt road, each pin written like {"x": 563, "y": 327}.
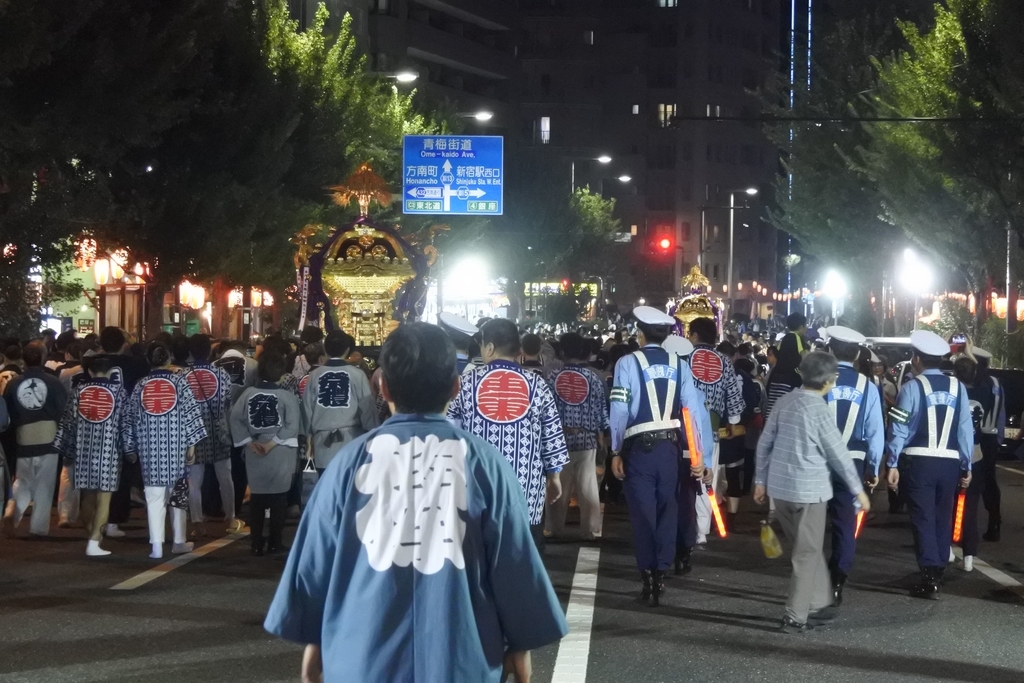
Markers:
{"x": 60, "y": 620}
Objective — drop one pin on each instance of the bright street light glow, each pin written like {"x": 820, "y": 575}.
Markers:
{"x": 915, "y": 275}
{"x": 751, "y": 191}
{"x": 406, "y": 76}
{"x": 483, "y": 116}
{"x": 605, "y": 159}
{"x": 624, "y": 178}
{"x": 469, "y": 279}
{"x": 835, "y": 285}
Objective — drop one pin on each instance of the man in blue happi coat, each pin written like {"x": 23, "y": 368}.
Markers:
{"x": 414, "y": 560}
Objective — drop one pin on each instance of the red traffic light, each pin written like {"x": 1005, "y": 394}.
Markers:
{"x": 665, "y": 243}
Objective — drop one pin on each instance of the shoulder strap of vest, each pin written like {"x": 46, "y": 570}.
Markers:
{"x": 657, "y": 411}
{"x": 854, "y": 414}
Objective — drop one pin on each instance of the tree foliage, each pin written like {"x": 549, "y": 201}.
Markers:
{"x": 951, "y": 185}
{"x": 547, "y": 232}
{"x": 199, "y": 135}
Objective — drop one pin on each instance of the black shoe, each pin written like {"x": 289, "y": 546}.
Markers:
{"x": 257, "y": 547}
{"x": 838, "y": 582}
{"x": 657, "y": 587}
{"x": 273, "y": 548}
{"x": 790, "y": 626}
{"x": 645, "y": 592}
{"x": 993, "y": 532}
{"x": 928, "y": 588}
{"x": 825, "y": 615}
{"x": 683, "y": 566}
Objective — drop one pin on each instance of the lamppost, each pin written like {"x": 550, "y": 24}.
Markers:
{"x": 603, "y": 159}
{"x": 750, "y": 191}
{"x": 916, "y": 277}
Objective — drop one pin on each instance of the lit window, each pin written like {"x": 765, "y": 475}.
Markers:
{"x": 666, "y": 113}
{"x": 588, "y": 37}
{"x": 545, "y": 130}
{"x": 636, "y": 108}
{"x": 632, "y": 230}
{"x": 668, "y": 3}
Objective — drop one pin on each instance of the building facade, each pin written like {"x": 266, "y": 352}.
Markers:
{"x": 463, "y": 51}
{"x": 669, "y": 90}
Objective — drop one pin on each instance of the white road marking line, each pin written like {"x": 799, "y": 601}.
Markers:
{"x": 178, "y": 561}
{"x": 1011, "y": 469}
{"x": 574, "y": 650}
{"x": 1000, "y": 577}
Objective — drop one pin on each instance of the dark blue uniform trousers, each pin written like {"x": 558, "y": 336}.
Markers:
{"x": 844, "y": 523}
{"x": 932, "y": 485}
{"x": 650, "y": 487}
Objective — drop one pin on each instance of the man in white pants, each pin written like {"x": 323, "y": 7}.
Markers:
{"x": 157, "y": 499}
{"x": 715, "y": 377}
{"x": 211, "y": 387}
{"x": 582, "y": 401}
{"x": 35, "y": 401}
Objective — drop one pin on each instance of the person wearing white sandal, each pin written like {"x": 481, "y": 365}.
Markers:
{"x": 163, "y": 425}
{"x": 89, "y": 439}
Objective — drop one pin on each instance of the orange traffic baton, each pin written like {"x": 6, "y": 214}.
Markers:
{"x": 697, "y": 460}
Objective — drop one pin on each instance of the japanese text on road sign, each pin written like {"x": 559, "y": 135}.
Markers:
{"x": 453, "y": 174}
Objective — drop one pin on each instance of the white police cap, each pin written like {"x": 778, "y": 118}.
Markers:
{"x": 458, "y": 324}
{"x": 822, "y": 334}
{"x": 652, "y": 316}
{"x": 929, "y": 343}
{"x": 680, "y": 346}
{"x": 981, "y": 353}
{"x": 780, "y": 336}
{"x": 845, "y": 334}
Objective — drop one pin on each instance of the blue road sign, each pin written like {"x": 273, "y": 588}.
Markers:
{"x": 454, "y": 175}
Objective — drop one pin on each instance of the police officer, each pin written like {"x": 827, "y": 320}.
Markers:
{"x": 856, "y": 404}
{"x": 651, "y": 386}
{"x": 992, "y": 431}
{"x": 461, "y": 332}
{"x": 931, "y": 427}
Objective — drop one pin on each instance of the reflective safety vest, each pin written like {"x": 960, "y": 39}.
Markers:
{"x": 659, "y": 401}
{"x": 940, "y": 401}
{"x": 990, "y": 425}
{"x": 846, "y": 400}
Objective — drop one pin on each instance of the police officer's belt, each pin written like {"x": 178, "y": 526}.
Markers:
{"x": 648, "y": 440}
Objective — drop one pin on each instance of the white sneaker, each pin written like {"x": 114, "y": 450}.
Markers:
{"x": 968, "y": 563}
{"x": 952, "y": 556}
{"x": 93, "y": 549}
{"x": 158, "y": 551}
{"x": 112, "y": 531}
{"x": 702, "y": 539}
{"x": 182, "y": 548}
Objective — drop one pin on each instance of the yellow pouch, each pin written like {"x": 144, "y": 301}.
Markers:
{"x": 770, "y": 542}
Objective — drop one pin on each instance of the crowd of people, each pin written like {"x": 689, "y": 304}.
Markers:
{"x": 453, "y": 458}
{"x": 114, "y": 425}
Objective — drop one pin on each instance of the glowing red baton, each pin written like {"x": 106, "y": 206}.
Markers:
{"x": 697, "y": 460}
{"x": 958, "y": 522}
{"x": 860, "y": 524}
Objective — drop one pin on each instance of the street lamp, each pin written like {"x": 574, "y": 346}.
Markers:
{"x": 603, "y": 159}
{"x": 406, "y": 76}
{"x": 750, "y": 191}
{"x": 916, "y": 277}
{"x": 624, "y": 178}
{"x": 483, "y": 116}
{"x": 835, "y": 289}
